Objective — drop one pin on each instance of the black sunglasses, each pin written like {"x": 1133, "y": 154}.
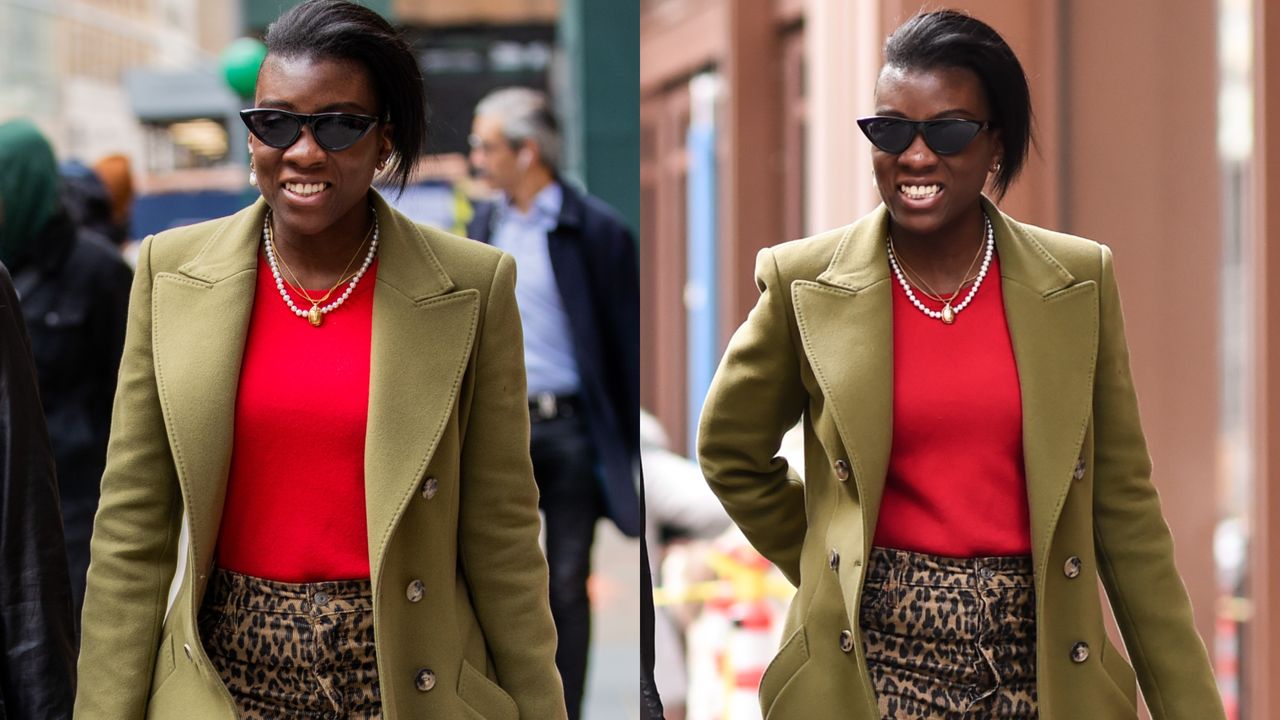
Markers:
{"x": 946, "y": 136}
{"x": 333, "y": 131}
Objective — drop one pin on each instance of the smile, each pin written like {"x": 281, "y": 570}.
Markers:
{"x": 919, "y": 192}
{"x": 306, "y": 189}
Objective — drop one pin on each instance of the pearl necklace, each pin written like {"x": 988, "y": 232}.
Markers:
{"x": 948, "y": 313}
{"x": 317, "y": 312}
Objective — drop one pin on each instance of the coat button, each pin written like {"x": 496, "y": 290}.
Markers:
{"x": 833, "y": 559}
{"x": 425, "y": 680}
{"x": 1079, "y": 652}
{"x": 1078, "y": 473}
{"x": 415, "y": 591}
{"x": 846, "y": 640}
{"x": 1071, "y": 568}
{"x": 429, "y": 488}
{"x": 842, "y": 470}
{"x": 187, "y": 649}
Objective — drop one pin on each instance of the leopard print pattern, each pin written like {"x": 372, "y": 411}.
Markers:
{"x": 293, "y": 651}
{"x": 949, "y": 638}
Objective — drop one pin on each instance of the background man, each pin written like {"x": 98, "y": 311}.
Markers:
{"x": 578, "y": 290}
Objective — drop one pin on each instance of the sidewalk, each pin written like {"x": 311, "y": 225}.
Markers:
{"x": 613, "y": 673}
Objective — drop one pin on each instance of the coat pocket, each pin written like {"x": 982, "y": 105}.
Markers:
{"x": 784, "y": 666}
{"x": 1120, "y": 673}
{"x": 483, "y": 699}
{"x": 164, "y": 665}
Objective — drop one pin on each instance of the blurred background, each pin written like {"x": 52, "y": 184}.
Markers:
{"x": 1154, "y": 125}
{"x": 159, "y": 84}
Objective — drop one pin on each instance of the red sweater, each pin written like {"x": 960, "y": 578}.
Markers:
{"x": 295, "y": 508}
{"x": 956, "y": 485}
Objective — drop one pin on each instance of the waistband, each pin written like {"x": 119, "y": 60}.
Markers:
{"x": 913, "y": 568}
{"x": 255, "y": 593}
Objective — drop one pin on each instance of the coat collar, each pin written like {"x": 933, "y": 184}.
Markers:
{"x": 859, "y": 258}
{"x": 407, "y": 262}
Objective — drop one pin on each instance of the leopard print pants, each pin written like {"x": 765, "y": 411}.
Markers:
{"x": 291, "y": 651}
{"x": 949, "y": 638}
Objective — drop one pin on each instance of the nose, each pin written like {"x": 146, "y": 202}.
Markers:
{"x": 918, "y": 154}
{"x": 305, "y": 150}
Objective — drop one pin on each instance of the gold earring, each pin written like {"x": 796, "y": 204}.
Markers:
{"x": 253, "y": 174}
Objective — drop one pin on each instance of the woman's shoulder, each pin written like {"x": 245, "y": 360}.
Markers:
{"x": 469, "y": 263}
{"x": 806, "y": 258}
{"x": 1080, "y": 256}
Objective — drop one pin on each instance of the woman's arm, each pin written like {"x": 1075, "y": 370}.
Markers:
{"x": 498, "y": 520}
{"x": 1135, "y": 548}
{"x": 755, "y": 397}
{"x": 135, "y": 534}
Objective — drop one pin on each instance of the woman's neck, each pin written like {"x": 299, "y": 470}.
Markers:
{"x": 943, "y": 260}
{"x": 319, "y": 260}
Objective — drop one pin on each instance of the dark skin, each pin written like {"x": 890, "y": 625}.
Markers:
{"x": 317, "y": 233}
{"x": 938, "y": 236}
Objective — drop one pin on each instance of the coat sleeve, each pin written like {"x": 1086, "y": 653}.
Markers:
{"x": 37, "y": 630}
{"x": 1135, "y": 548}
{"x": 134, "y": 547}
{"x": 755, "y": 397}
{"x": 498, "y": 514}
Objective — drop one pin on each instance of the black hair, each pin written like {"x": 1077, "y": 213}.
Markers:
{"x": 347, "y": 31}
{"x": 951, "y": 39}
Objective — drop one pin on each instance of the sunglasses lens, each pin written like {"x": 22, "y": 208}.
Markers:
{"x": 890, "y": 135}
{"x": 948, "y": 137}
{"x": 339, "y": 132}
{"x": 275, "y": 129}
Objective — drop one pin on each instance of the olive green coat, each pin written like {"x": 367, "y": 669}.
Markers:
{"x": 446, "y": 402}
{"x": 818, "y": 346}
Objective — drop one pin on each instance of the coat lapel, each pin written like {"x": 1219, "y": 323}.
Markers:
{"x": 200, "y": 318}
{"x": 1053, "y": 323}
{"x": 422, "y": 338}
{"x": 855, "y": 372}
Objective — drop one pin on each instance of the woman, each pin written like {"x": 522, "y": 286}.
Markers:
{"x": 334, "y": 397}
{"x": 975, "y": 460}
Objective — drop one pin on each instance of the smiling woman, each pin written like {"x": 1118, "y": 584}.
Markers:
{"x": 362, "y": 516}
{"x": 975, "y": 461}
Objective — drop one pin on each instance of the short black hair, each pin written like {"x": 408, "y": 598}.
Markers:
{"x": 951, "y": 39}
{"x": 346, "y": 31}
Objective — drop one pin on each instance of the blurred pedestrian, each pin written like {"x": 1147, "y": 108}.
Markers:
{"x": 975, "y": 457}
{"x": 578, "y": 292}
{"x": 75, "y": 293}
{"x": 37, "y": 628}
{"x": 117, "y": 178}
{"x": 333, "y": 396}
{"x": 86, "y": 201}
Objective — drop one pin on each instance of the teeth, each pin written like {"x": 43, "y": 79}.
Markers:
{"x": 919, "y": 192}
{"x": 305, "y": 188}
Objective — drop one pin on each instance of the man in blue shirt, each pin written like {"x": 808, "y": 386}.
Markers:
{"x": 578, "y": 290}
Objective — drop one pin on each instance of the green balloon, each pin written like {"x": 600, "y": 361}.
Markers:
{"x": 240, "y": 62}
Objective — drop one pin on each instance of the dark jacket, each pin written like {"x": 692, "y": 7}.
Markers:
{"x": 37, "y": 635}
{"x": 74, "y": 288}
{"x": 595, "y": 260}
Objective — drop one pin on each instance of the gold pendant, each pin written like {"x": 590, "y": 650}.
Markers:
{"x": 315, "y": 317}
{"x": 948, "y": 314}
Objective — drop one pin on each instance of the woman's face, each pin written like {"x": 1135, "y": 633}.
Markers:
{"x": 958, "y": 178}
{"x": 309, "y": 188}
